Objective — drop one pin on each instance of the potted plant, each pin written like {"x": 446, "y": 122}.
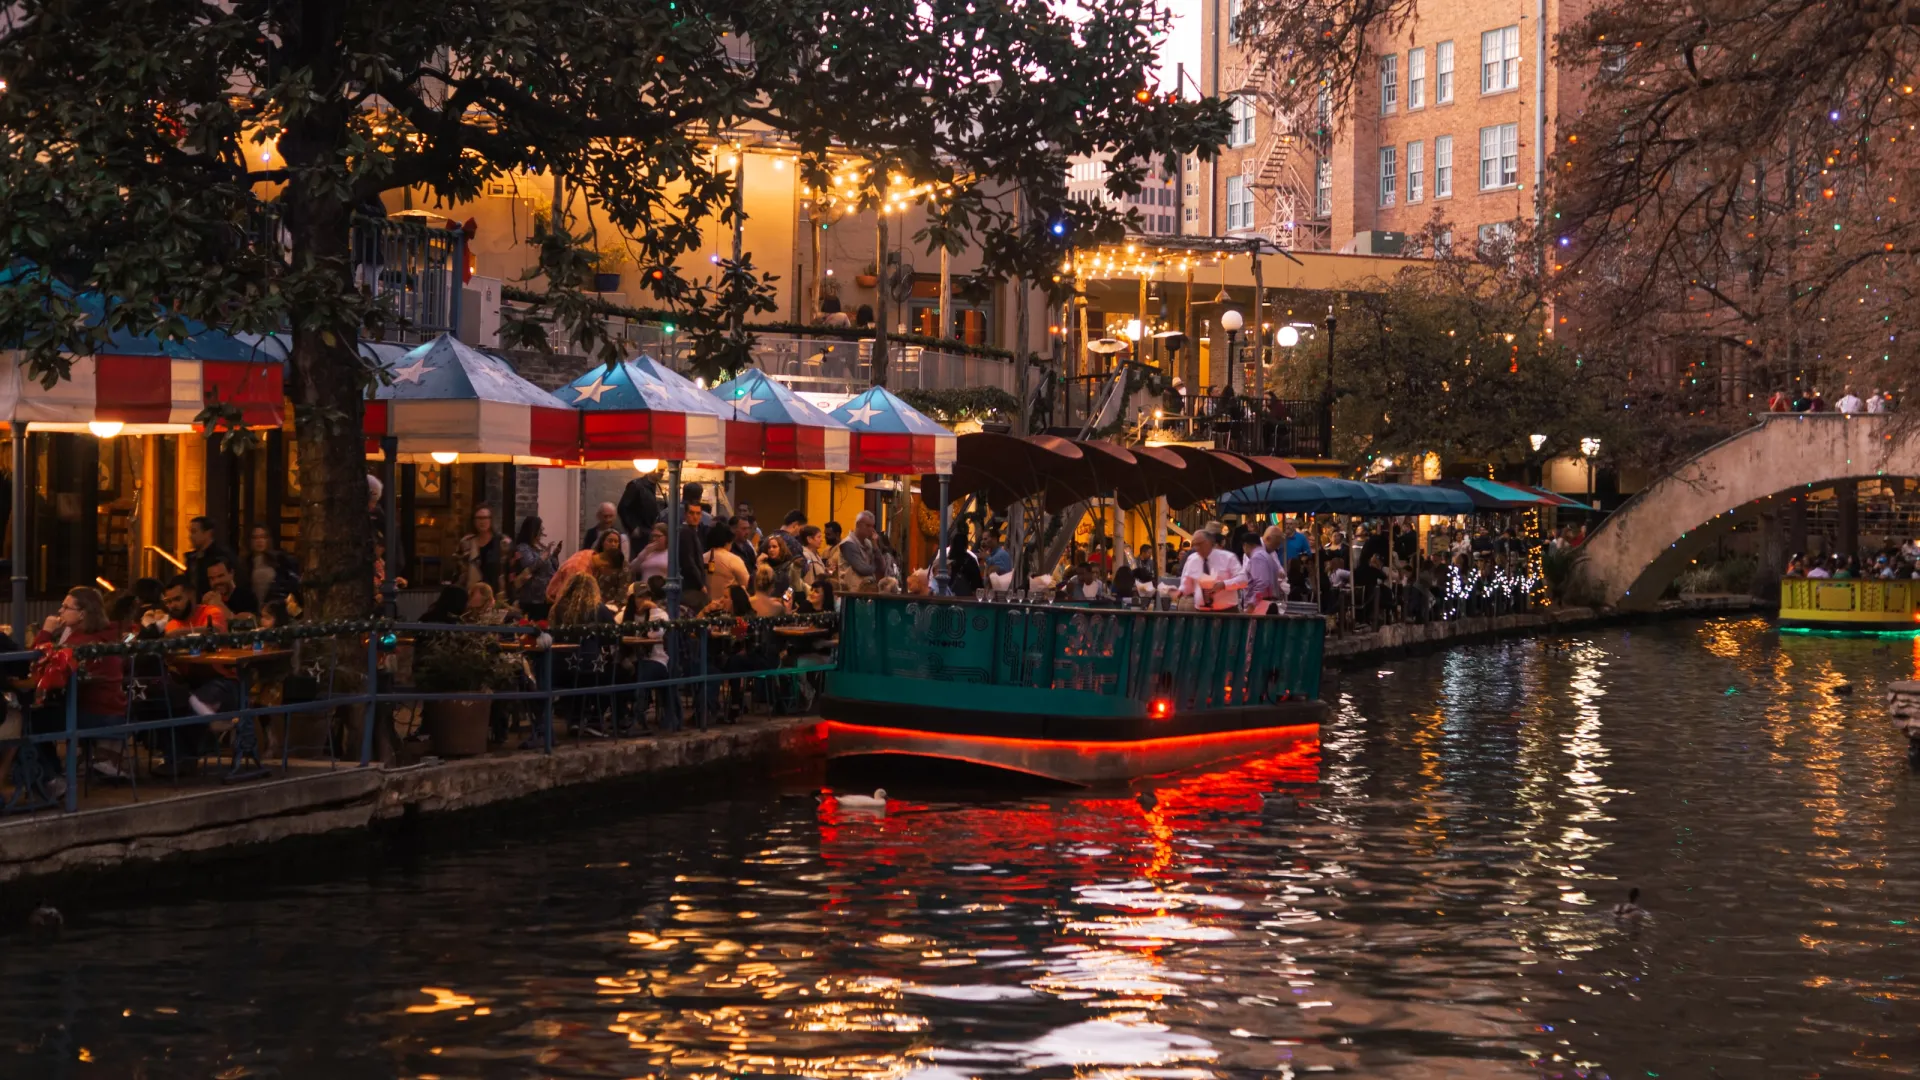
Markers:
{"x": 452, "y": 663}
{"x": 868, "y": 278}
{"x": 606, "y": 269}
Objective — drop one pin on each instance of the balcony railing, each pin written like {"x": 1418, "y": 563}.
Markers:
{"x": 414, "y": 268}
{"x": 837, "y": 366}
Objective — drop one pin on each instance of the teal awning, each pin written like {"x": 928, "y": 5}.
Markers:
{"x": 1316, "y": 495}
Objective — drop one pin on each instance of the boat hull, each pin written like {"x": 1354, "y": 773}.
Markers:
{"x": 1850, "y": 605}
{"x": 1067, "y": 749}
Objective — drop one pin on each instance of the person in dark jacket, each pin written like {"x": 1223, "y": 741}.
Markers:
{"x": 639, "y": 506}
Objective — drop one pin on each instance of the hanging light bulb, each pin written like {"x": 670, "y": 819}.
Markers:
{"x": 751, "y": 470}
{"x": 445, "y": 457}
{"x": 106, "y": 429}
{"x": 644, "y": 465}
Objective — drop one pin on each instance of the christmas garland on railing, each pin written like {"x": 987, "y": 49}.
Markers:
{"x": 689, "y": 318}
{"x": 287, "y": 635}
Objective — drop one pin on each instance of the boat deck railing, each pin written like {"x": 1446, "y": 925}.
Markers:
{"x": 1182, "y": 660}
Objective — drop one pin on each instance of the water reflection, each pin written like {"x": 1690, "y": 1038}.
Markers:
{"x": 1429, "y": 898}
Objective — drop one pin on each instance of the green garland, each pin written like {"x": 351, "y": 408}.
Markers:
{"x": 963, "y": 403}
{"x": 287, "y": 635}
{"x": 690, "y": 319}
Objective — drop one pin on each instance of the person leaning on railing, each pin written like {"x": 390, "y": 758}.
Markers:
{"x": 82, "y": 620}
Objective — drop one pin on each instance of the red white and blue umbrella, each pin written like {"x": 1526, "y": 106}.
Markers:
{"x": 797, "y": 434}
{"x": 449, "y": 401}
{"x": 148, "y": 386}
{"x": 891, "y": 436}
{"x": 642, "y": 409}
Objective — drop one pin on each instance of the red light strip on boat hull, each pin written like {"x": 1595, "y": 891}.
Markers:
{"x": 1071, "y": 760}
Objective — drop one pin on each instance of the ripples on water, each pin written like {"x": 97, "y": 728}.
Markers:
{"x": 1438, "y": 905}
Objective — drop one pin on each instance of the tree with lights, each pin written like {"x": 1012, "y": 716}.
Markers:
{"x": 134, "y": 134}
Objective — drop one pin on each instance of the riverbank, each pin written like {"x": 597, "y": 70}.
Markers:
{"x": 1405, "y": 638}
{"x": 227, "y": 822}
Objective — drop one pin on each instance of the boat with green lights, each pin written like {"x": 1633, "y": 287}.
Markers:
{"x": 1849, "y": 605}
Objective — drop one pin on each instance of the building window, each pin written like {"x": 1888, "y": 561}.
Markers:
{"x": 1389, "y": 174}
{"x": 1443, "y": 243}
{"x": 1192, "y": 213}
{"x": 1323, "y": 188}
{"x": 1499, "y": 156}
{"x": 1240, "y": 110}
{"x": 1496, "y": 240}
{"x": 1416, "y": 78}
{"x": 1322, "y": 112}
{"x": 1500, "y": 60}
{"x": 1443, "y": 73}
{"x": 1416, "y": 165}
{"x": 1443, "y": 167}
{"x": 1389, "y": 83}
{"x": 1233, "y": 20}
{"x": 1239, "y": 203}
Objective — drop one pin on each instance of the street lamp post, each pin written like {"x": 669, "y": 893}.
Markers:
{"x": 1231, "y": 321}
{"x": 1590, "y": 449}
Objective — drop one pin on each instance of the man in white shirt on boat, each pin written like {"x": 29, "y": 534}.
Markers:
{"x": 1212, "y": 578}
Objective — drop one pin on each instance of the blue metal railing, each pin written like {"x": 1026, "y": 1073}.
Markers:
{"x": 31, "y": 790}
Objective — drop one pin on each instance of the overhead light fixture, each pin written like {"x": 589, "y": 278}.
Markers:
{"x": 1538, "y": 441}
{"x": 445, "y": 457}
{"x": 1231, "y": 321}
{"x": 106, "y": 429}
{"x": 644, "y": 465}
{"x": 751, "y": 470}
{"x": 1289, "y": 337}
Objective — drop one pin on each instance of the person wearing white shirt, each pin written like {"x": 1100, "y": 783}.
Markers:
{"x": 1877, "y": 403}
{"x": 1849, "y": 403}
{"x": 1266, "y": 574}
{"x": 1212, "y": 578}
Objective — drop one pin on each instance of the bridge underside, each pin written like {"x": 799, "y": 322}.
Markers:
{"x": 1770, "y": 474}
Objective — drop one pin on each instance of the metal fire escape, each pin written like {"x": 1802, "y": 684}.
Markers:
{"x": 1281, "y": 166}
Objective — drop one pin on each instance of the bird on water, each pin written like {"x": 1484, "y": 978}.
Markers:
{"x": 875, "y": 801}
{"x": 1630, "y": 907}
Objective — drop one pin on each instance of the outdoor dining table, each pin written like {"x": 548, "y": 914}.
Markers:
{"x": 218, "y": 663}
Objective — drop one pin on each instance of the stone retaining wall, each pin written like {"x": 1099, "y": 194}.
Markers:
{"x": 1407, "y": 637}
{"x": 355, "y": 798}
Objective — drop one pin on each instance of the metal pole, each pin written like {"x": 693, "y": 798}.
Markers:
{"x": 1259, "y": 331}
{"x": 1326, "y": 394}
{"x": 673, "y": 543}
{"x": 941, "y": 571}
{"x": 389, "y": 585}
{"x": 878, "y": 364}
{"x": 20, "y": 484}
{"x": 737, "y": 317}
{"x": 373, "y": 704}
{"x": 946, "y": 293}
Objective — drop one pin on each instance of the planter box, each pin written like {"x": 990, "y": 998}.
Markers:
{"x": 866, "y": 281}
{"x": 458, "y": 728}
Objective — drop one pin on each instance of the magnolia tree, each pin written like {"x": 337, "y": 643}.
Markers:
{"x": 135, "y": 135}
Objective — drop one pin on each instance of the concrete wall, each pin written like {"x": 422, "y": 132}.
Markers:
{"x": 1638, "y": 550}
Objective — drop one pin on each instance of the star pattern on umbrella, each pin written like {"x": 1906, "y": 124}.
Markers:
{"x": 653, "y": 391}
{"x": 594, "y": 390}
{"x": 749, "y": 403}
{"x": 412, "y": 373}
{"x": 862, "y": 415}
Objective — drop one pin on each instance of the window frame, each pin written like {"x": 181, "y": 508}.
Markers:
{"x": 1442, "y": 167}
{"x": 1323, "y": 187}
{"x": 1243, "y": 204}
{"x": 1505, "y": 157}
{"x": 1389, "y": 83}
{"x": 1242, "y": 112}
{"x": 1502, "y": 61}
{"x": 1443, "y": 73}
{"x": 1416, "y": 158}
{"x": 1416, "y": 78}
{"x": 1389, "y": 176}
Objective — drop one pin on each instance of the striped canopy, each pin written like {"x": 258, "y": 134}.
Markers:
{"x": 639, "y": 408}
{"x": 447, "y": 397}
{"x": 891, "y": 436}
{"x": 797, "y": 435}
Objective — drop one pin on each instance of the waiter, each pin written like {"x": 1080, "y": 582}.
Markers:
{"x": 1212, "y": 578}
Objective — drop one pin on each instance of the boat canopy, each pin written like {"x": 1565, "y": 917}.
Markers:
{"x": 1318, "y": 495}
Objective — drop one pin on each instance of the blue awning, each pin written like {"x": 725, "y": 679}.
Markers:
{"x": 1317, "y": 495}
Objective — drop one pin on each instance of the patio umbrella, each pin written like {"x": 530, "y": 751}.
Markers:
{"x": 151, "y": 386}
{"x": 890, "y": 436}
{"x": 796, "y": 434}
{"x": 628, "y": 412}
{"x": 449, "y": 401}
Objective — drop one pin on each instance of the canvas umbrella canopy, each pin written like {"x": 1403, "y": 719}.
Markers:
{"x": 890, "y": 436}
{"x": 451, "y": 402}
{"x": 629, "y": 412}
{"x": 795, "y": 433}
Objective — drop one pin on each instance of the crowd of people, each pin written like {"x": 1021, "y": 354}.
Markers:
{"x": 1895, "y": 560}
{"x": 1802, "y": 401}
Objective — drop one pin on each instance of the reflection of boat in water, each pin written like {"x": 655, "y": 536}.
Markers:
{"x": 1850, "y": 605}
{"x": 1069, "y": 693}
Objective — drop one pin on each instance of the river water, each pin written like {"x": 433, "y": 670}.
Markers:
{"x": 1437, "y": 903}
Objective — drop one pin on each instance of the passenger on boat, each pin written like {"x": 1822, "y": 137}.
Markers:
{"x": 1212, "y": 578}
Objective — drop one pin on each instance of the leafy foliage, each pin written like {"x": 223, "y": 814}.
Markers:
{"x": 964, "y": 403}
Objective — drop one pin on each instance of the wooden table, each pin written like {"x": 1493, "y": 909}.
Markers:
{"x": 216, "y": 663}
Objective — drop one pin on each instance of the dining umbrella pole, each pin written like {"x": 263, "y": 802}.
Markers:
{"x": 18, "y": 613}
{"x": 942, "y": 584}
{"x": 389, "y": 584}
{"x": 673, "y": 539}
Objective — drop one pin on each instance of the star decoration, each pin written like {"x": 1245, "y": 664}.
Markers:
{"x": 748, "y": 403}
{"x": 412, "y": 373}
{"x": 653, "y": 392}
{"x": 593, "y": 391}
{"x": 862, "y": 415}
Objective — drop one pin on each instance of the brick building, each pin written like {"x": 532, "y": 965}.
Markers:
{"x": 1455, "y": 118}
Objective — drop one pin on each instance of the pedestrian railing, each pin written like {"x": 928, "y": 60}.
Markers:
{"x": 326, "y": 654}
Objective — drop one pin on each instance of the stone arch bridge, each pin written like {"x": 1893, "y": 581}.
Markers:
{"x": 1763, "y": 472}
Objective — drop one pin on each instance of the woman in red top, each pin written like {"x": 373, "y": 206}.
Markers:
{"x": 82, "y": 620}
